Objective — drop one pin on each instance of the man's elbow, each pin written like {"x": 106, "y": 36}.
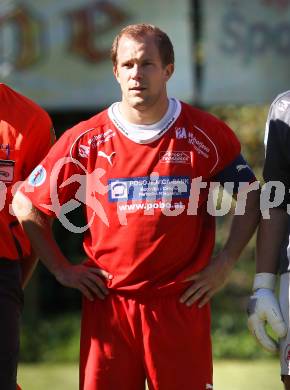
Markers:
{"x": 21, "y": 206}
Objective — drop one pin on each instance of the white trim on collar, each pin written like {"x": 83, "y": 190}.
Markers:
{"x": 145, "y": 134}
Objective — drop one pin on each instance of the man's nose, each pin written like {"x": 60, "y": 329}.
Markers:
{"x": 136, "y": 71}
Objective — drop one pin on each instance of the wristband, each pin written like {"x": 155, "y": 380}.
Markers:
{"x": 264, "y": 280}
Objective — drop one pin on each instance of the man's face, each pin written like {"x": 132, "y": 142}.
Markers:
{"x": 140, "y": 72}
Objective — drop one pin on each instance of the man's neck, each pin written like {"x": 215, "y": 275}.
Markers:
{"x": 140, "y": 116}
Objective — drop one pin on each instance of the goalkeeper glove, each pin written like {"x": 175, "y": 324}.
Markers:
{"x": 264, "y": 307}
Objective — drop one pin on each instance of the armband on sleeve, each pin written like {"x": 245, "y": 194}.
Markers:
{"x": 237, "y": 172}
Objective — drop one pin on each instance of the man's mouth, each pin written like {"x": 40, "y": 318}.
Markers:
{"x": 137, "y": 89}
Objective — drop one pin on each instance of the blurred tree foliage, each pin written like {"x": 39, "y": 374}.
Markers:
{"x": 248, "y": 122}
{"x": 231, "y": 338}
{"x": 51, "y": 318}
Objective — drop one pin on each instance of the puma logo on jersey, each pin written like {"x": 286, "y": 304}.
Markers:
{"x": 241, "y": 166}
{"x": 108, "y": 157}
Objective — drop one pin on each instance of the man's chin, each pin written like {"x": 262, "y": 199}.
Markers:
{"x": 137, "y": 103}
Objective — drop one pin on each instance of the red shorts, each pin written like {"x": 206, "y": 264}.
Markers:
{"x": 125, "y": 341}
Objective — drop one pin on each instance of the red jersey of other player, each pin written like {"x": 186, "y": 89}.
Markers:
{"x": 24, "y": 141}
{"x": 25, "y": 138}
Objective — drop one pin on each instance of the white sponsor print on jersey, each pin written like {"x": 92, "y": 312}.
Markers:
{"x": 84, "y": 151}
{"x": 108, "y": 157}
{"x": 283, "y": 105}
{"x": 198, "y": 145}
{"x": 208, "y": 387}
{"x": 99, "y": 139}
{"x": 175, "y": 157}
{"x": 180, "y": 133}
{"x": 241, "y": 167}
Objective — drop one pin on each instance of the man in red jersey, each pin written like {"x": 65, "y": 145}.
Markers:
{"x": 142, "y": 169}
{"x": 25, "y": 138}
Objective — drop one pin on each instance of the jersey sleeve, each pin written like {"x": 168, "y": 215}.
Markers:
{"x": 277, "y": 141}
{"x": 277, "y": 145}
{"x": 38, "y": 140}
{"x": 227, "y": 147}
{"x": 51, "y": 184}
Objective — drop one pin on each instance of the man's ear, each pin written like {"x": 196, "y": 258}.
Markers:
{"x": 169, "y": 71}
{"x": 116, "y": 73}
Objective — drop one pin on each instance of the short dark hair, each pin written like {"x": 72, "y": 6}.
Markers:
{"x": 136, "y": 31}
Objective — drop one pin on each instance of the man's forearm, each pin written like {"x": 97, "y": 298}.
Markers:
{"x": 38, "y": 228}
{"x": 28, "y": 265}
{"x": 214, "y": 276}
{"x": 89, "y": 280}
{"x": 243, "y": 227}
{"x": 270, "y": 236}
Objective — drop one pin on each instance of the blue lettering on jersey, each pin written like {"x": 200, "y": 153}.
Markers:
{"x": 148, "y": 188}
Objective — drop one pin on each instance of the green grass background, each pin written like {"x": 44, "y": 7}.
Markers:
{"x": 228, "y": 375}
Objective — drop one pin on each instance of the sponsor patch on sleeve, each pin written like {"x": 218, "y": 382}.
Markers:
{"x": 37, "y": 176}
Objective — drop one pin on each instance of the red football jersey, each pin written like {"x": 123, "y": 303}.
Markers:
{"x": 25, "y": 138}
{"x": 146, "y": 227}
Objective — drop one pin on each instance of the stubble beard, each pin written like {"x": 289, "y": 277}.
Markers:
{"x": 142, "y": 103}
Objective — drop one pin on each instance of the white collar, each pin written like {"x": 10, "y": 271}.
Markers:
{"x": 144, "y": 134}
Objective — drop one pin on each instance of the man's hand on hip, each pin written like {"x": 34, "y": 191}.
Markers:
{"x": 208, "y": 281}
{"x": 89, "y": 280}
